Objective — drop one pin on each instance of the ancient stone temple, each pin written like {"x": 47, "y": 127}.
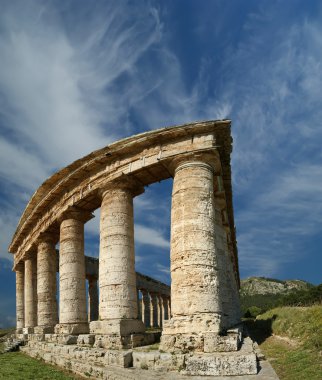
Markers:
{"x": 127, "y": 311}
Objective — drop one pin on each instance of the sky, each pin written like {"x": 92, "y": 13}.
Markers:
{"x": 78, "y": 75}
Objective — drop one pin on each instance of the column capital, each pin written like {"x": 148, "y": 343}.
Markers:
{"x": 192, "y": 164}
{"x": 209, "y": 157}
{"x": 46, "y": 237}
{"x": 123, "y": 183}
{"x": 20, "y": 266}
{"x": 77, "y": 213}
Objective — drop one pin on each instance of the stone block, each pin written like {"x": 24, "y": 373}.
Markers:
{"x": 67, "y": 339}
{"x": 113, "y": 342}
{"x": 36, "y": 337}
{"x": 221, "y": 343}
{"x": 145, "y": 360}
{"x": 44, "y": 329}
{"x": 28, "y": 330}
{"x": 72, "y": 328}
{"x": 221, "y": 364}
{"x": 119, "y": 358}
{"x": 85, "y": 339}
{"x": 121, "y": 327}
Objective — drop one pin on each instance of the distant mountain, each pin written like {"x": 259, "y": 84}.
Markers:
{"x": 261, "y": 285}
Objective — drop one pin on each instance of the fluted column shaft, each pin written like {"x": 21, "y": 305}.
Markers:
{"x": 117, "y": 278}
{"x": 160, "y": 310}
{"x": 72, "y": 303}
{"x": 146, "y": 312}
{"x": 20, "y": 298}
{"x": 31, "y": 293}
{"x": 46, "y": 285}
{"x": 93, "y": 299}
{"x": 165, "y": 304}
{"x": 154, "y": 310}
{"x": 193, "y": 260}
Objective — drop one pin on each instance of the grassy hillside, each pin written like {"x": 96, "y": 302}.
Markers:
{"x": 291, "y": 339}
{"x": 256, "y": 299}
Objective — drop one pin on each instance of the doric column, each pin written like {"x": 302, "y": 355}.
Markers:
{"x": 30, "y": 293}
{"x": 197, "y": 289}
{"x": 154, "y": 310}
{"x": 160, "y": 310}
{"x": 92, "y": 299}
{"x": 20, "y": 297}
{"x": 146, "y": 310}
{"x": 72, "y": 290}
{"x": 117, "y": 278}
{"x": 139, "y": 303}
{"x": 46, "y": 285}
{"x": 165, "y": 304}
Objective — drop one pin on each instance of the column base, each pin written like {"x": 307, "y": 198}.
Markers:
{"x": 28, "y": 330}
{"x": 187, "y": 334}
{"x": 19, "y": 330}
{"x": 241, "y": 362}
{"x": 118, "y": 333}
{"x": 44, "y": 329}
{"x": 72, "y": 328}
{"x": 117, "y": 326}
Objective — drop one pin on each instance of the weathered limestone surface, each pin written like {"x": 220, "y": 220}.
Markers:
{"x": 20, "y": 279}
{"x": 197, "y": 286}
{"x": 146, "y": 310}
{"x": 30, "y": 293}
{"x": 118, "y": 306}
{"x": 72, "y": 307}
{"x": 46, "y": 286}
{"x": 154, "y": 310}
{"x": 113, "y": 364}
{"x": 117, "y": 277}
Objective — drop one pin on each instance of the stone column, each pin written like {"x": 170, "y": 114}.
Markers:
{"x": 46, "y": 285}
{"x": 92, "y": 299}
{"x": 154, "y": 310}
{"x": 30, "y": 293}
{"x": 72, "y": 290}
{"x": 160, "y": 310}
{"x": 20, "y": 298}
{"x": 146, "y": 310}
{"x": 165, "y": 304}
{"x": 195, "y": 281}
{"x": 118, "y": 309}
{"x": 139, "y": 302}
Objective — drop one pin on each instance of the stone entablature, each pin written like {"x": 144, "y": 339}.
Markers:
{"x": 202, "y": 316}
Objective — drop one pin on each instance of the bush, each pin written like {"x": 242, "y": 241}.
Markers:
{"x": 253, "y": 312}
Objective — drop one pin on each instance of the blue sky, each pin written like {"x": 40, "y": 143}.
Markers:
{"x": 78, "y": 75}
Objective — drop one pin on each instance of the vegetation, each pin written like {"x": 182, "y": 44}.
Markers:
{"x": 291, "y": 339}
{"x": 17, "y": 366}
{"x": 7, "y": 331}
{"x": 255, "y": 304}
{"x": 303, "y": 324}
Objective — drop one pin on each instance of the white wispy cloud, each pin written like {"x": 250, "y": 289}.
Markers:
{"x": 58, "y": 94}
{"x": 150, "y": 236}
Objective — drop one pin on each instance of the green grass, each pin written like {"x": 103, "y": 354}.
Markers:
{"x": 301, "y": 323}
{"x": 298, "y": 356}
{"x": 4, "y": 332}
{"x": 292, "y": 363}
{"x": 17, "y": 366}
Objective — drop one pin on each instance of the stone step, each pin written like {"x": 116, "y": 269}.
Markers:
{"x": 99, "y": 365}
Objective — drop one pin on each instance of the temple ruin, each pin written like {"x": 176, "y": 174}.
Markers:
{"x": 111, "y": 337}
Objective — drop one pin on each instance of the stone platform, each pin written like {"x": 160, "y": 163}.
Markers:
{"x": 145, "y": 364}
